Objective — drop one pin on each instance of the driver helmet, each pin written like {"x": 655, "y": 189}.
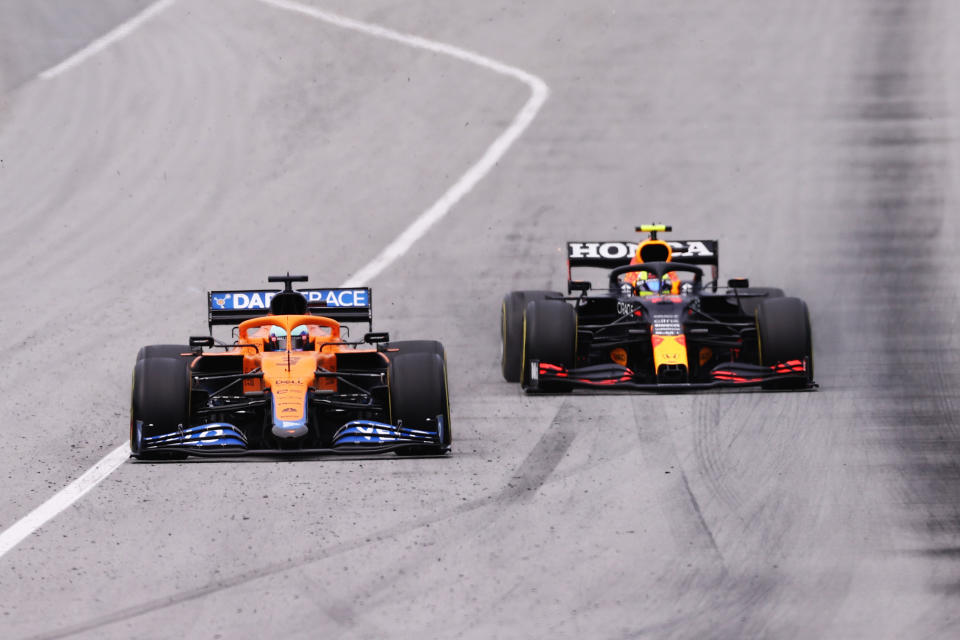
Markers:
{"x": 301, "y": 337}
{"x": 647, "y": 284}
{"x": 278, "y": 339}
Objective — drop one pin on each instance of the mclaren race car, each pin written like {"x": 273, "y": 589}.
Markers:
{"x": 660, "y": 323}
{"x": 291, "y": 381}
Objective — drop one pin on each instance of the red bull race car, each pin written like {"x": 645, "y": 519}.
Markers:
{"x": 661, "y": 322}
{"x": 291, "y": 381}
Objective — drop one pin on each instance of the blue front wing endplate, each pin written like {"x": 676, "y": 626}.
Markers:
{"x": 357, "y": 436}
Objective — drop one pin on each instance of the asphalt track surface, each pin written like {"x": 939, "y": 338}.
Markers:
{"x": 224, "y": 141}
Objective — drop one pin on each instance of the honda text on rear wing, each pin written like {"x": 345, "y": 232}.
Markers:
{"x": 613, "y": 253}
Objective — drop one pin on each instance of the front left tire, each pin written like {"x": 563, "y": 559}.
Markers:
{"x": 550, "y": 336}
{"x": 784, "y": 334}
{"x": 160, "y": 403}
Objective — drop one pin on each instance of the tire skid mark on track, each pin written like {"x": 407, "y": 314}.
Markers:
{"x": 712, "y": 452}
{"x": 900, "y": 168}
{"x": 521, "y": 487}
{"x": 658, "y": 448}
{"x": 164, "y": 602}
{"x": 532, "y": 474}
{"x": 543, "y": 459}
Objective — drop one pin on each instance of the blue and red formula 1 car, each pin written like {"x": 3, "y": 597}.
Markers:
{"x": 659, "y": 324}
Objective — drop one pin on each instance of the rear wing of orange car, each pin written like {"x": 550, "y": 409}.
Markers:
{"x": 342, "y": 305}
{"x": 613, "y": 253}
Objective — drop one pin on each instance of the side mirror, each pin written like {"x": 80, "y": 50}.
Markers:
{"x": 578, "y": 285}
{"x": 198, "y": 342}
{"x": 376, "y": 337}
{"x": 738, "y": 283}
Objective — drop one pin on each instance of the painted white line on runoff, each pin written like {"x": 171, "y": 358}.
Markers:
{"x": 539, "y": 92}
{"x": 538, "y": 95}
{"x": 63, "y": 499}
{"x": 60, "y": 501}
{"x": 107, "y": 39}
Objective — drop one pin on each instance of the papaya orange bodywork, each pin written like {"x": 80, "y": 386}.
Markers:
{"x": 289, "y": 373}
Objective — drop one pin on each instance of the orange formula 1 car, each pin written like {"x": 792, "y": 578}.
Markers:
{"x": 290, "y": 382}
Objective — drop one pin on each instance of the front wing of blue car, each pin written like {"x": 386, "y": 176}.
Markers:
{"x": 544, "y": 376}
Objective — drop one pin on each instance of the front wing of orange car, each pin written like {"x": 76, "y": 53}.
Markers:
{"x": 355, "y": 437}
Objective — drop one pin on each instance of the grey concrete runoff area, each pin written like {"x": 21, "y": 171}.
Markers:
{"x": 222, "y": 141}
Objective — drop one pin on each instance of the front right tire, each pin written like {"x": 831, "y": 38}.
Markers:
{"x": 512, "y": 308}
{"x": 418, "y": 391}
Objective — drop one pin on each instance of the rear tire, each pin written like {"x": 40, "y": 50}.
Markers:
{"x": 418, "y": 392}
{"x": 549, "y": 335}
{"x": 160, "y": 403}
{"x": 783, "y": 334}
{"x": 511, "y": 329}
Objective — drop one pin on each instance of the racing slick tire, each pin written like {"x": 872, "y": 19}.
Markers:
{"x": 783, "y": 333}
{"x": 549, "y": 335}
{"x": 415, "y": 346}
{"x": 749, "y": 305}
{"x": 160, "y": 403}
{"x": 418, "y": 392}
{"x": 511, "y": 329}
{"x": 164, "y": 351}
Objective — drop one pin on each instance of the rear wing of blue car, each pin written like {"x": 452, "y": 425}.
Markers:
{"x": 342, "y": 305}
{"x": 610, "y": 254}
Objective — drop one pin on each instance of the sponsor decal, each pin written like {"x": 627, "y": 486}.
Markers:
{"x": 594, "y": 250}
{"x": 260, "y": 300}
{"x": 241, "y": 301}
{"x": 218, "y": 436}
{"x": 669, "y": 357}
{"x": 689, "y": 249}
{"x": 619, "y": 355}
{"x": 625, "y": 308}
{"x": 666, "y": 325}
{"x": 338, "y": 297}
{"x": 374, "y": 431}
{"x": 705, "y": 354}
{"x": 621, "y": 250}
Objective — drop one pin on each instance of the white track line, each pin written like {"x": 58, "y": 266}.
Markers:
{"x": 23, "y": 527}
{"x": 538, "y": 95}
{"x": 107, "y": 39}
{"x": 476, "y": 173}
{"x": 63, "y": 499}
